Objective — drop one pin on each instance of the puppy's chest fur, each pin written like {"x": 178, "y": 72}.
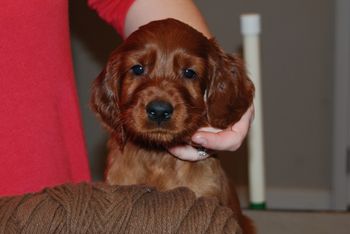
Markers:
{"x": 135, "y": 165}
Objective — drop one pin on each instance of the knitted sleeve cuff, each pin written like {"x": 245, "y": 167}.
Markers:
{"x": 112, "y": 11}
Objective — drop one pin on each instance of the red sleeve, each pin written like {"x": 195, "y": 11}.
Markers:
{"x": 112, "y": 11}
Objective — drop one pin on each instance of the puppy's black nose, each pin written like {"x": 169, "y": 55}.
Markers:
{"x": 159, "y": 111}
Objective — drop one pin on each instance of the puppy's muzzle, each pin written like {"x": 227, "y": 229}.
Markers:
{"x": 159, "y": 111}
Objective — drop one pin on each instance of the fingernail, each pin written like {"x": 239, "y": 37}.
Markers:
{"x": 199, "y": 140}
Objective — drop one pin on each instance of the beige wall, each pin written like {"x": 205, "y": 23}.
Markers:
{"x": 297, "y": 82}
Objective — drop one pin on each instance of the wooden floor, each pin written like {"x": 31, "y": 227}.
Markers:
{"x": 282, "y": 222}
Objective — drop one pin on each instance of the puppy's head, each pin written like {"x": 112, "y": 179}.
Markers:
{"x": 167, "y": 80}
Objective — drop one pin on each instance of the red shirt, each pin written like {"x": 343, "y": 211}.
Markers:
{"x": 41, "y": 137}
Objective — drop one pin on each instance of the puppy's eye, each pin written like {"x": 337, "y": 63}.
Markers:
{"x": 138, "y": 70}
{"x": 189, "y": 73}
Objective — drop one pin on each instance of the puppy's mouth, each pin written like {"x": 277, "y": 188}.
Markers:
{"x": 159, "y": 138}
{"x": 161, "y": 124}
{"x": 159, "y": 120}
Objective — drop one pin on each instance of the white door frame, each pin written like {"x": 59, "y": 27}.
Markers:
{"x": 340, "y": 196}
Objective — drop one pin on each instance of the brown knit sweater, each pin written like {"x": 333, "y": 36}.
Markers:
{"x": 100, "y": 208}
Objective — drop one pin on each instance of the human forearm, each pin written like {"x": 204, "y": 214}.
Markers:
{"x": 144, "y": 11}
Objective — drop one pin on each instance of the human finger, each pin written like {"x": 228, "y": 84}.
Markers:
{"x": 228, "y": 139}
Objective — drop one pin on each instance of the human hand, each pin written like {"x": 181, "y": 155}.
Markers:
{"x": 229, "y": 139}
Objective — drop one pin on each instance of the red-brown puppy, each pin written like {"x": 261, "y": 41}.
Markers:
{"x": 162, "y": 84}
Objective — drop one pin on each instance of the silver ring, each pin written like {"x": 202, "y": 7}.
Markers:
{"x": 202, "y": 153}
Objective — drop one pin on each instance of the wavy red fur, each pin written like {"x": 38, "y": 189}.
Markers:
{"x": 218, "y": 94}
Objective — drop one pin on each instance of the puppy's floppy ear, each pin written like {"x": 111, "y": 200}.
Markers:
{"x": 104, "y": 100}
{"x": 230, "y": 92}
